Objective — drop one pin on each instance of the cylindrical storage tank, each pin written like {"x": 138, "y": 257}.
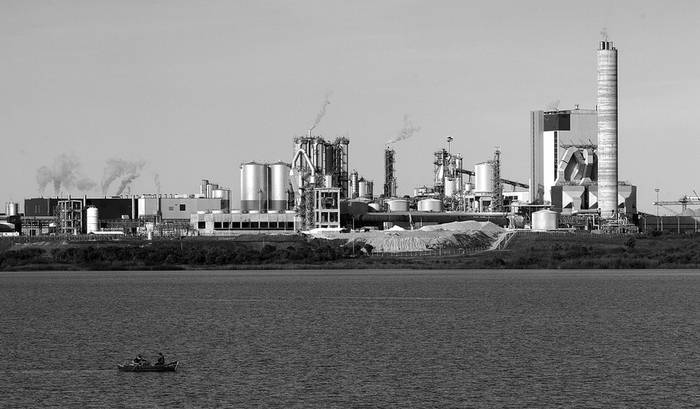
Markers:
{"x": 254, "y": 186}
{"x": 545, "y": 220}
{"x": 375, "y": 207}
{"x": 364, "y": 188}
{"x": 468, "y": 187}
{"x": 328, "y": 180}
{"x": 279, "y": 186}
{"x": 398, "y": 205}
{"x": 93, "y": 219}
{"x": 484, "y": 177}
{"x": 370, "y": 190}
{"x": 451, "y": 187}
{"x": 429, "y": 205}
{"x": 11, "y": 209}
{"x": 354, "y": 185}
{"x": 224, "y": 195}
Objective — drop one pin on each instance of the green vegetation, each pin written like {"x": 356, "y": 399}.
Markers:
{"x": 584, "y": 251}
{"x": 176, "y": 254}
{"x": 528, "y": 251}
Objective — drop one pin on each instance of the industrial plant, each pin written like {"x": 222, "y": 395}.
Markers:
{"x": 572, "y": 183}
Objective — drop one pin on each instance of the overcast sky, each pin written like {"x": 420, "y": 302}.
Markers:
{"x": 194, "y": 88}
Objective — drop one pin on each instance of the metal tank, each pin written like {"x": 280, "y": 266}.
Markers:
{"x": 224, "y": 195}
{"x": 451, "y": 187}
{"x": 93, "y": 219}
{"x": 429, "y": 205}
{"x": 365, "y": 188}
{"x": 254, "y": 186}
{"x": 545, "y": 220}
{"x": 607, "y": 129}
{"x": 375, "y": 207}
{"x": 354, "y": 184}
{"x": 398, "y": 205}
{"x": 279, "y": 186}
{"x": 11, "y": 209}
{"x": 468, "y": 187}
{"x": 484, "y": 177}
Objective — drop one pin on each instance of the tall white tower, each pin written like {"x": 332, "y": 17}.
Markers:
{"x": 607, "y": 130}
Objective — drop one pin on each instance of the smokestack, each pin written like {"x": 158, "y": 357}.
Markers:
{"x": 607, "y": 130}
{"x": 389, "y": 176}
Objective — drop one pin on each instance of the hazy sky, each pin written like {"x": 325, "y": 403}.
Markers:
{"x": 194, "y": 88}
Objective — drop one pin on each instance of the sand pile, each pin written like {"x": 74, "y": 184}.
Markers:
{"x": 457, "y": 235}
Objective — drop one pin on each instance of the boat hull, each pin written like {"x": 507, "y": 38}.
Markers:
{"x": 169, "y": 367}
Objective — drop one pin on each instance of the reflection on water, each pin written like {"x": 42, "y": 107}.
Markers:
{"x": 346, "y": 338}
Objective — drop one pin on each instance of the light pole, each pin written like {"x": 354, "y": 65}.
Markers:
{"x": 657, "y": 207}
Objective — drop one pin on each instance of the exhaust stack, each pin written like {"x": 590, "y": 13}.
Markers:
{"x": 607, "y": 130}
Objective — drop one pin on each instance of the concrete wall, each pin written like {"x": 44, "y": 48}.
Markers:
{"x": 175, "y": 208}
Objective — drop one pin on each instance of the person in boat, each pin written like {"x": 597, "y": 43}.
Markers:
{"x": 161, "y": 359}
{"x": 140, "y": 360}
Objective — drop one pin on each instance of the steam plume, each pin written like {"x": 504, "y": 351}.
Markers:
{"x": 85, "y": 184}
{"x": 406, "y": 132}
{"x": 122, "y": 170}
{"x": 156, "y": 181}
{"x": 322, "y": 112}
{"x": 62, "y": 173}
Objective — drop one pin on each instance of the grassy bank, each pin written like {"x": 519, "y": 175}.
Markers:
{"x": 529, "y": 251}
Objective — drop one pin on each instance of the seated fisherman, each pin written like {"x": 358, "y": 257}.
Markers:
{"x": 140, "y": 360}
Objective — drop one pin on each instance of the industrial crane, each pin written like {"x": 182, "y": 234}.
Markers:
{"x": 684, "y": 201}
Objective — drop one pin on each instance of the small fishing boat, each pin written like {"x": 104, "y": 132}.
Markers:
{"x": 132, "y": 367}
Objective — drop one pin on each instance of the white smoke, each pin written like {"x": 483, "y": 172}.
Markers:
{"x": 123, "y": 170}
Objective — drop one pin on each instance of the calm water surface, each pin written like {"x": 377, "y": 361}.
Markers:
{"x": 352, "y": 339}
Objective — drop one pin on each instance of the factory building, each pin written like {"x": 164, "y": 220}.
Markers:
{"x": 226, "y": 224}
{"x": 551, "y": 134}
{"x": 74, "y": 216}
{"x": 175, "y": 207}
{"x": 213, "y": 191}
{"x": 11, "y": 220}
{"x": 68, "y": 215}
{"x": 572, "y": 199}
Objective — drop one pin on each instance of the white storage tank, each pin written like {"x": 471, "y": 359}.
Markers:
{"x": 254, "y": 186}
{"x": 398, "y": 205}
{"x": 545, "y": 220}
{"x": 279, "y": 186}
{"x": 375, "y": 207}
{"x": 429, "y": 205}
{"x": 11, "y": 209}
{"x": 365, "y": 188}
{"x": 451, "y": 187}
{"x": 354, "y": 184}
{"x": 484, "y": 177}
{"x": 93, "y": 220}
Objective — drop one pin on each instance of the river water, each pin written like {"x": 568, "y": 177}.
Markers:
{"x": 352, "y": 338}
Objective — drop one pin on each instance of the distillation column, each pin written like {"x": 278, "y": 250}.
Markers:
{"x": 607, "y": 130}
